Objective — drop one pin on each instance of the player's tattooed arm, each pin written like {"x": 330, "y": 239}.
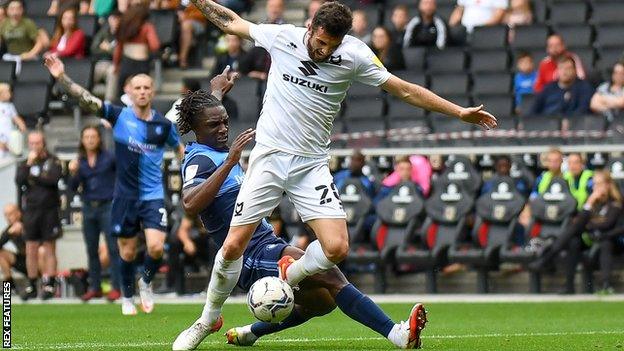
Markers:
{"x": 224, "y": 18}
{"x": 87, "y": 100}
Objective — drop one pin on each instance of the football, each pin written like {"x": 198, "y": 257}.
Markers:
{"x": 270, "y": 299}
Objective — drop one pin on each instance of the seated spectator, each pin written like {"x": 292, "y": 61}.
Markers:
{"x": 568, "y": 96}
{"x": 16, "y": 258}
{"x": 356, "y": 166}
{"x": 474, "y": 13}
{"x": 422, "y": 172}
{"x": 404, "y": 170}
{"x": 102, "y": 8}
{"x": 102, "y": 48}
{"x": 8, "y": 117}
{"x": 313, "y": 6}
{"x": 68, "y": 40}
{"x": 59, "y": 6}
{"x": 231, "y": 57}
{"x": 275, "y": 12}
{"x": 525, "y": 77}
{"x": 547, "y": 70}
{"x": 608, "y": 99}
{"x": 2, "y": 13}
{"x": 518, "y": 14}
{"x": 599, "y": 215}
{"x": 136, "y": 40}
{"x": 427, "y": 28}
{"x": 580, "y": 179}
{"x": 399, "y": 19}
{"x": 386, "y": 50}
{"x": 360, "y": 26}
{"x": 502, "y": 167}
{"x": 554, "y": 160}
{"x": 20, "y": 35}
{"x": 192, "y": 24}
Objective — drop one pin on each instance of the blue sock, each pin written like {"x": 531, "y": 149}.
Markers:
{"x": 150, "y": 267}
{"x": 262, "y": 328}
{"x": 361, "y": 308}
{"x": 127, "y": 278}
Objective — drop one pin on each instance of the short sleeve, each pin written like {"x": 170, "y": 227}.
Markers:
{"x": 368, "y": 68}
{"x": 264, "y": 35}
{"x": 11, "y": 110}
{"x": 197, "y": 170}
{"x": 111, "y": 112}
{"x": 31, "y": 30}
{"x": 501, "y": 4}
{"x": 173, "y": 140}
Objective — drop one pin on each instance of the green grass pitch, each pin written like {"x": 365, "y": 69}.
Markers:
{"x": 452, "y": 326}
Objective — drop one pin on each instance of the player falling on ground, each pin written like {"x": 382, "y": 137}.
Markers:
{"x": 141, "y": 135}
{"x": 212, "y": 179}
{"x": 310, "y": 74}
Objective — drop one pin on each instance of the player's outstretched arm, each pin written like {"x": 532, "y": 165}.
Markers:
{"x": 224, "y": 18}
{"x": 424, "y": 98}
{"x": 87, "y": 100}
{"x": 196, "y": 199}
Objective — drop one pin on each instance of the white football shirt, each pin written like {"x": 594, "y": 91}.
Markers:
{"x": 303, "y": 97}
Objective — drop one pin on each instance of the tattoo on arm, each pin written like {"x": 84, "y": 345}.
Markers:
{"x": 220, "y": 16}
{"x": 87, "y": 100}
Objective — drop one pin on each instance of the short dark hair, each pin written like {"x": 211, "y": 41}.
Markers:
{"x": 567, "y": 58}
{"x": 335, "y": 18}
{"x": 500, "y": 158}
{"x": 191, "y": 106}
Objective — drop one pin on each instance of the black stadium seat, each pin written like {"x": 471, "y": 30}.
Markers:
{"x": 37, "y": 7}
{"x": 530, "y": 37}
{"x": 568, "y": 12}
{"x": 34, "y": 72}
{"x": 446, "y": 209}
{"x": 363, "y": 91}
{"x": 7, "y": 71}
{"x": 449, "y": 84}
{"x": 414, "y": 58}
{"x": 399, "y": 109}
{"x": 501, "y": 106}
{"x": 610, "y": 36}
{"x": 88, "y": 24}
{"x": 459, "y": 169}
{"x": 413, "y": 77}
{"x": 446, "y": 61}
{"x": 489, "y": 61}
{"x": 496, "y": 218}
{"x": 576, "y": 36}
{"x": 607, "y": 12}
{"x": 608, "y": 58}
{"x": 46, "y": 23}
{"x": 357, "y": 206}
{"x": 364, "y": 109}
{"x": 165, "y": 22}
{"x": 491, "y": 84}
{"x": 31, "y": 100}
{"x": 489, "y": 37}
{"x": 245, "y": 94}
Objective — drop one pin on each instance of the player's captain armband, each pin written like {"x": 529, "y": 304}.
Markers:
{"x": 377, "y": 61}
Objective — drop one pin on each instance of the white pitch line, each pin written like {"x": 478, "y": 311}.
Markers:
{"x": 63, "y": 346}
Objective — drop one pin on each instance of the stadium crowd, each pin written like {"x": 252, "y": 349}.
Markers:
{"x": 523, "y": 58}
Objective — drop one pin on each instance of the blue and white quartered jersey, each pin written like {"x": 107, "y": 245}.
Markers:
{"x": 200, "y": 162}
{"x": 139, "y": 150}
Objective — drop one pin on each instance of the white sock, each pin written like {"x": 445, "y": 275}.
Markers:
{"x": 313, "y": 261}
{"x": 224, "y": 277}
{"x": 397, "y": 336}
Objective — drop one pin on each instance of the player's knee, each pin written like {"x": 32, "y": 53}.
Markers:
{"x": 232, "y": 250}
{"x": 155, "y": 250}
{"x": 338, "y": 251}
{"x": 127, "y": 253}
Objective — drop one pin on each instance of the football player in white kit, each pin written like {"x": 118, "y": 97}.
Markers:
{"x": 312, "y": 69}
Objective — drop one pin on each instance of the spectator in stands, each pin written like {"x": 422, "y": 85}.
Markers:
{"x": 192, "y": 24}
{"x": 59, "y": 6}
{"x": 386, "y": 50}
{"x": 360, "y": 26}
{"x": 554, "y": 160}
{"x": 102, "y": 8}
{"x": 404, "y": 169}
{"x": 608, "y": 99}
{"x": 15, "y": 258}
{"x": 2, "y": 12}
{"x": 547, "y": 70}
{"x": 8, "y": 117}
{"x": 94, "y": 172}
{"x": 68, "y": 39}
{"x": 231, "y": 57}
{"x": 399, "y": 20}
{"x": 579, "y": 178}
{"x": 502, "y": 167}
{"x": 20, "y": 35}
{"x": 524, "y": 78}
{"x": 102, "y": 49}
{"x": 356, "y": 165}
{"x": 518, "y": 14}
{"x": 188, "y": 86}
{"x": 427, "y": 28}
{"x": 38, "y": 177}
{"x": 313, "y": 6}
{"x": 474, "y": 13}
{"x": 599, "y": 215}
{"x": 275, "y": 12}
{"x": 136, "y": 40}
{"x": 568, "y": 96}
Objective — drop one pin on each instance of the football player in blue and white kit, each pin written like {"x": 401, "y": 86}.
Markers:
{"x": 212, "y": 180}
{"x": 141, "y": 135}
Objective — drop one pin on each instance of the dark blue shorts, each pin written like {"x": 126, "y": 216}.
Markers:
{"x": 128, "y": 217}
{"x": 260, "y": 260}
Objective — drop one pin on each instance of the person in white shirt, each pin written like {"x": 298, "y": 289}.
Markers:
{"x": 312, "y": 69}
{"x": 8, "y": 117}
{"x": 474, "y": 13}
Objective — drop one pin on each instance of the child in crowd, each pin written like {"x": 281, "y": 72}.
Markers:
{"x": 525, "y": 77}
{"x": 8, "y": 117}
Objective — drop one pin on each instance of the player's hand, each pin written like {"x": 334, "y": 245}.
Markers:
{"x": 239, "y": 144}
{"x": 477, "y": 115}
{"x": 223, "y": 83}
{"x": 189, "y": 248}
{"x": 73, "y": 166}
{"x": 54, "y": 65}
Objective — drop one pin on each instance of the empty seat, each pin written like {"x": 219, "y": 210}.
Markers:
{"x": 363, "y": 91}
{"x": 576, "y": 36}
{"x": 399, "y": 109}
{"x": 46, "y": 23}
{"x": 568, "y": 12}
{"x": 491, "y": 83}
{"x": 363, "y": 109}
{"x": 445, "y": 61}
{"x": 81, "y": 71}
{"x": 413, "y": 77}
{"x": 610, "y": 36}
{"x": 37, "y": 7}
{"x": 34, "y": 72}
{"x": 88, "y": 24}
{"x": 587, "y": 57}
{"x": 530, "y": 37}
{"x": 540, "y": 123}
{"x": 489, "y": 61}
{"x": 489, "y": 37}
{"x": 608, "y": 58}
{"x": 165, "y": 22}
{"x": 31, "y": 101}
{"x": 607, "y": 12}
{"x": 414, "y": 58}
{"x": 501, "y": 107}
{"x": 245, "y": 94}
{"x": 449, "y": 84}
{"x": 7, "y": 71}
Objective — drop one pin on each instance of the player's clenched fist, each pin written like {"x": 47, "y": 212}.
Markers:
{"x": 239, "y": 144}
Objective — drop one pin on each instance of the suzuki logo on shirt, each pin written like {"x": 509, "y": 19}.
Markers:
{"x": 309, "y": 68}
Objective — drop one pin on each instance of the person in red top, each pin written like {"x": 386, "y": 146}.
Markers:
{"x": 68, "y": 39}
{"x": 547, "y": 71}
{"x": 136, "y": 41}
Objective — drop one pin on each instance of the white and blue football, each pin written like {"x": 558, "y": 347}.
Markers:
{"x": 270, "y": 299}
